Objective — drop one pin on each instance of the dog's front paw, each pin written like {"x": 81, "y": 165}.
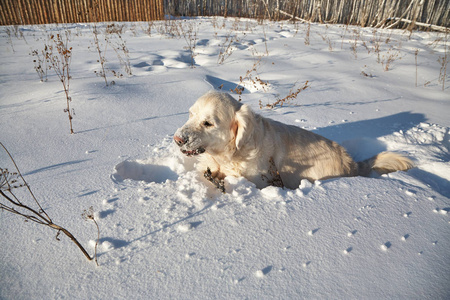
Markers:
{"x": 218, "y": 183}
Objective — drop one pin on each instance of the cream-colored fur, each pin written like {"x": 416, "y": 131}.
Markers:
{"x": 230, "y": 139}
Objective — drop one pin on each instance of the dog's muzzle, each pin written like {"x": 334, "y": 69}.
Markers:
{"x": 181, "y": 142}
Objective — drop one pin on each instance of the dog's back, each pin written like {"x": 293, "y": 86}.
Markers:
{"x": 296, "y": 154}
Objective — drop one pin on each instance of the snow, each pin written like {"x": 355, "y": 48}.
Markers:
{"x": 167, "y": 233}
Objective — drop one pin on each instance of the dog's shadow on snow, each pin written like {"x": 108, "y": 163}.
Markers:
{"x": 360, "y": 140}
{"x": 373, "y": 128}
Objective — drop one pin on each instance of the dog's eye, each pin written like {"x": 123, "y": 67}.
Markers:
{"x": 207, "y": 124}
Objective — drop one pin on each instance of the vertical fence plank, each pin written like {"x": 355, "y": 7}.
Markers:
{"x": 2, "y": 15}
{"x": 9, "y": 15}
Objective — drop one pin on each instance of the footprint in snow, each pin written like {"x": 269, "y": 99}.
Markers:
{"x": 352, "y": 233}
{"x": 108, "y": 244}
{"x": 187, "y": 227}
{"x": 105, "y": 213}
{"x": 312, "y": 232}
{"x": 386, "y": 246}
{"x": 348, "y": 250}
{"x": 442, "y": 211}
{"x": 306, "y": 264}
{"x": 263, "y": 272}
{"x": 406, "y": 215}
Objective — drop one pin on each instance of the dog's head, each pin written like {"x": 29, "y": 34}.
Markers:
{"x": 217, "y": 124}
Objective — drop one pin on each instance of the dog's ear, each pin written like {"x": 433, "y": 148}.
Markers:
{"x": 243, "y": 125}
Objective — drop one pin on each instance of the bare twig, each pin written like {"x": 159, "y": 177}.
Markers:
{"x": 291, "y": 96}
{"x": 9, "y": 182}
{"x": 189, "y": 33}
{"x": 60, "y": 63}
{"x": 443, "y": 60}
{"x": 101, "y": 54}
{"x": 416, "y": 53}
{"x": 273, "y": 177}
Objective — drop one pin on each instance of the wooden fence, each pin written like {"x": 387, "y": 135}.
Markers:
{"x": 21, "y": 12}
{"x": 375, "y": 13}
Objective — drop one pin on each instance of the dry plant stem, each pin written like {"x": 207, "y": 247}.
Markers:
{"x": 101, "y": 56}
{"x": 273, "y": 177}
{"x": 291, "y": 96}
{"x": 307, "y": 35}
{"x": 416, "y": 53}
{"x": 443, "y": 61}
{"x": 265, "y": 39}
{"x": 248, "y": 75}
{"x": 389, "y": 58}
{"x": 38, "y": 216}
{"x": 89, "y": 215}
{"x": 190, "y": 36}
{"x": 61, "y": 65}
{"x": 10, "y": 42}
{"x": 226, "y": 49}
{"x": 96, "y": 243}
{"x": 113, "y": 37}
{"x": 40, "y": 64}
{"x": 46, "y": 217}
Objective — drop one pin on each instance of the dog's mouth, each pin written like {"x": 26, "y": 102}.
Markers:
{"x": 193, "y": 152}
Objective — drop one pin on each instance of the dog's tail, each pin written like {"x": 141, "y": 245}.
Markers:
{"x": 383, "y": 163}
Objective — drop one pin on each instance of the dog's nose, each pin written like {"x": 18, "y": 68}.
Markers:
{"x": 180, "y": 142}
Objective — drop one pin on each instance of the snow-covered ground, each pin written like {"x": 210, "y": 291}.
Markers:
{"x": 166, "y": 233}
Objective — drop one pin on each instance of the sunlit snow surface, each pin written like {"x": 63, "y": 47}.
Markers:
{"x": 166, "y": 233}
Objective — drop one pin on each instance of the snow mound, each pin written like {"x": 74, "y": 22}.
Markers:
{"x": 429, "y": 146}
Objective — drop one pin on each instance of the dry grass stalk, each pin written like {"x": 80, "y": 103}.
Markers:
{"x": 273, "y": 177}
{"x": 113, "y": 37}
{"x": 416, "y": 53}
{"x": 443, "y": 60}
{"x": 307, "y": 35}
{"x": 101, "y": 54}
{"x": 189, "y": 32}
{"x": 291, "y": 96}
{"x": 388, "y": 58}
{"x": 59, "y": 54}
{"x": 40, "y": 63}
{"x": 11, "y": 181}
{"x": 227, "y": 47}
{"x": 239, "y": 89}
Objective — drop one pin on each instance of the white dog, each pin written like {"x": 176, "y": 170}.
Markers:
{"x": 230, "y": 139}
